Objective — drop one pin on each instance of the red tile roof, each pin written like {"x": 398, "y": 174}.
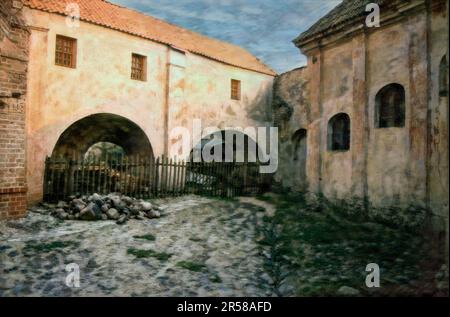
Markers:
{"x": 126, "y": 20}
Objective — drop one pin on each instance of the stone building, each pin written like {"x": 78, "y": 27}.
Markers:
{"x": 13, "y": 79}
{"x": 368, "y": 116}
{"x": 117, "y": 75}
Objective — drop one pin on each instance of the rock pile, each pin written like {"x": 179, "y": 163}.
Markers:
{"x": 110, "y": 207}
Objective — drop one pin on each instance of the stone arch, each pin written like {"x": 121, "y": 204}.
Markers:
{"x": 390, "y": 107}
{"x": 242, "y": 172}
{"x": 339, "y": 132}
{"x": 103, "y": 127}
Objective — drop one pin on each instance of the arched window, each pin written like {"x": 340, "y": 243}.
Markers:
{"x": 443, "y": 77}
{"x": 390, "y": 107}
{"x": 339, "y": 133}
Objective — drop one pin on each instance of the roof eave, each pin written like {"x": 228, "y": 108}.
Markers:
{"x": 269, "y": 72}
{"x": 306, "y": 41}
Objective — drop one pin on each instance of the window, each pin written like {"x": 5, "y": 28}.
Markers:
{"x": 443, "y": 77}
{"x": 235, "y": 89}
{"x": 66, "y": 51}
{"x": 390, "y": 107}
{"x": 339, "y": 133}
{"x": 138, "y": 67}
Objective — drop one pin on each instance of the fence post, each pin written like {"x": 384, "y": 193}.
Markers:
{"x": 169, "y": 176}
{"x": 157, "y": 177}
{"x": 46, "y": 177}
{"x": 71, "y": 174}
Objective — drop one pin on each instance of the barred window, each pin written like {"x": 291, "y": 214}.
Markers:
{"x": 235, "y": 89}
{"x": 138, "y": 67}
{"x": 66, "y": 51}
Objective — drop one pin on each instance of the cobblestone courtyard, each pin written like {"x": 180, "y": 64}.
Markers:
{"x": 276, "y": 245}
{"x": 200, "y": 247}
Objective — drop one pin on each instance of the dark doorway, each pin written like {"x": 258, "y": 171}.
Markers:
{"x": 300, "y": 141}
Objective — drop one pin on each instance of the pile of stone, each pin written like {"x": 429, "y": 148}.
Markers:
{"x": 110, "y": 207}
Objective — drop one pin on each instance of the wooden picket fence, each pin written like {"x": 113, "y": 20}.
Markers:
{"x": 149, "y": 178}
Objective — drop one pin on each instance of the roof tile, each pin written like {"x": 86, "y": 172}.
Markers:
{"x": 123, "y": 19}
{"x": 337, "y": 18}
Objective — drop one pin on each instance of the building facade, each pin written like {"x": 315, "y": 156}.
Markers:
{"x": 13, "y": 87}
{"x": 117, "y": 75}
{"x": 368, "y": 117}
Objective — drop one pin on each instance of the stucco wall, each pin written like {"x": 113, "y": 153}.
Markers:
{"x": 344, "y": 74}
{"x": 59, "y": 96}
{"x": 336, "y": 98}
{"x": 397, "y": 156}
{"x": 438, "y": 145}
{"x": 292, "y": 112}
{"x": 201, "y": 90}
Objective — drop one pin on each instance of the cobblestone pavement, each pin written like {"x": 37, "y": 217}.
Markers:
{"x": 201, "y": 247}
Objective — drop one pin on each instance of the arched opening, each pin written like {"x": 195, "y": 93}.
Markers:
{"x": 227, "y": 146}
{"x": 339, "y": 133}
{"x": 237, "y": 170}
{"x": 104, "y": 149}
{"x": 78, "y": 138}
{"x": 299, "y": 140}
{"x": 443, "y": 77}
{"x": 101, "y": 153}
{"x": 390, "y": 107}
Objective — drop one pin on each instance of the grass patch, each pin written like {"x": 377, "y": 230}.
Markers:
{"x": 47, "y": 247}
{"x": 148, "y": 237}
{"x": 192, "y": 266}
{"x": 195, "y": 239}
{"x": 328, "y": 250}
{"x": 141, "y": 254}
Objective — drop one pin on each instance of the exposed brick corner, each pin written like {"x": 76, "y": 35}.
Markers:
{"x": 14, "y": 41}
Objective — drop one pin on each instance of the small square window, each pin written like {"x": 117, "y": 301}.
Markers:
{"x": 139, "y": 67}
{"x": 66, "y": 51}
{"x": 235, "y": 89}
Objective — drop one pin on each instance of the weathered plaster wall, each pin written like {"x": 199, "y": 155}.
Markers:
{"x": 344, "y": 74}
{"x": 100, "y": 83}
{"x": 13, "y": 88}
{"x": 397, "y": 156}
{"x": 438, "y": 144}
{"x": 207, "y": 97}
{"x": 179, "y": 87}
{"x": 336, "y": 97}
{"x": 291, "y": 112}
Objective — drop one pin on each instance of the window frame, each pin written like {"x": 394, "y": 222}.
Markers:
{"x": 73, "y": 54}
{"x": 399, "y": 112}
{"x": 236, "y": 92}
{"x": 345, "y": 134}
{"x": 143, "y": 70}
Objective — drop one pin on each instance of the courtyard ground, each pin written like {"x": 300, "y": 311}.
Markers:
{"x": 270, "y": 246}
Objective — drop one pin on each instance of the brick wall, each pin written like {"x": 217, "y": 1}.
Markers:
{"x": 14, "y": 39}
